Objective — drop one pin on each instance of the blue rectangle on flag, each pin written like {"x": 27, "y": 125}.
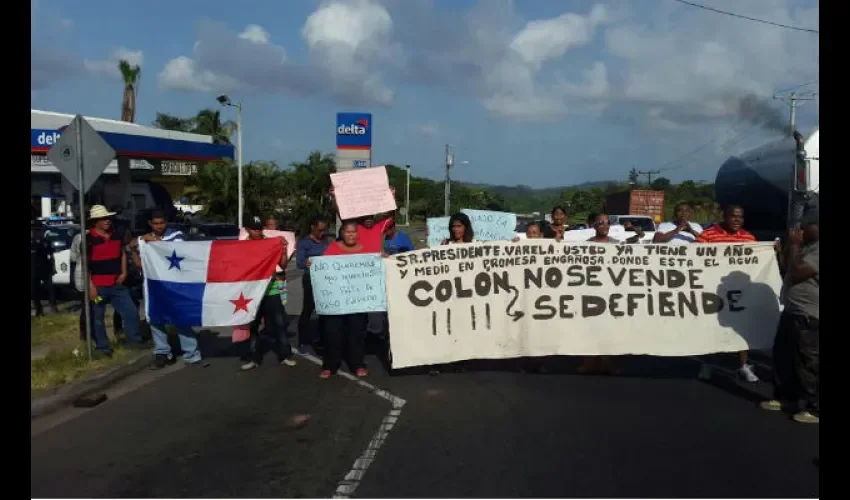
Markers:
{"x": 175, "y": 303}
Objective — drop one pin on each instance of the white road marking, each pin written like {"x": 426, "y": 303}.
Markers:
{"x": 349, "y": 483}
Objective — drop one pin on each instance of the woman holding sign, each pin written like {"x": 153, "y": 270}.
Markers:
{"x": 560, "y": 224}
{"x": 345, "y": 329}
{"x": 460, "y": 231}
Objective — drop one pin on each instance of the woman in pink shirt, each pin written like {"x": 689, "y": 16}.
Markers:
{"x": 345, "y": 329}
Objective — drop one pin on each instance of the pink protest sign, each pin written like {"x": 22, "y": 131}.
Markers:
{"x": 289, "y": 236}
{"x": 362, "y": 192}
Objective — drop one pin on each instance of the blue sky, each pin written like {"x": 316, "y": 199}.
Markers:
{"x": 542, "y": 93}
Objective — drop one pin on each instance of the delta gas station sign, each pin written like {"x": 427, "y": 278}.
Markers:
{"x": 353, "y": 141}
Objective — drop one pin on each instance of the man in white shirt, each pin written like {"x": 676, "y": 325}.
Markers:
{"x": 681, "y": 229}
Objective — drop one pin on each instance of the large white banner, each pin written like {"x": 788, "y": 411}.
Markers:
{"x": 536, "y": 298}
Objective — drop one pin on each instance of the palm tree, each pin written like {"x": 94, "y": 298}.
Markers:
{"x": 171, "y": 122}
{"x": 214, "y": 187}
{"x": 309, "y": 185}
{"x": 131, "y": 76}
{"x": 208, "y": 122}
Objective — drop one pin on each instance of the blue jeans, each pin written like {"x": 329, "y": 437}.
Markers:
{"x": 119, "y": 297}
{"x": 188, "y": 343}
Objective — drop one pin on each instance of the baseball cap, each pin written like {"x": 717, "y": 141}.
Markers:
{"x": 252, "y": 222}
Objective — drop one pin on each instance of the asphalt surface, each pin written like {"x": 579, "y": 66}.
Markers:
{"x": 490, "y": 431}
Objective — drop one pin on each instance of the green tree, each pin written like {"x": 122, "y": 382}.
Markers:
{"x": 208, "y": 122}
{"x": 308, "y": 191}
{"x": 131, "y": 75}
{"x": 215, "y": 187}
{"x": 171, "y": 122}
{"x": 661, "y": 183}
{"x": 633, "y": 177}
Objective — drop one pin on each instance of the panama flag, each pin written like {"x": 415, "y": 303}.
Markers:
{"x": 207, "y": 283}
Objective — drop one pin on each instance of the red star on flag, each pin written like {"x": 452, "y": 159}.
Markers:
{"x": 241, "y": 304}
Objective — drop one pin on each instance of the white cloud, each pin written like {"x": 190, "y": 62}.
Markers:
{"x": 690, "y": 65}
{"x": 109, "y": 67}
{"x": 51, "y": 61}
{"x": 255, "y": 33}
{"x": 661, "y": 65}
{"x": 594, "y": 84}
{"x": 494, "y": 56}
{"x": 429, "y": 129}
{"x": 346, "y": 43}
{"x": 549, "y": 39}
{"x": 181, "y": 73}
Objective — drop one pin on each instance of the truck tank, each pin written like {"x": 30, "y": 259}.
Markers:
{"x": 760, "y": 181}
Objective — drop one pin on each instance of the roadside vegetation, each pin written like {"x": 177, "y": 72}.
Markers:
{"x": 63, "y": 357}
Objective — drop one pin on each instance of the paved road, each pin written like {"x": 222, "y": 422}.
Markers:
{"x": 282, "y": 432}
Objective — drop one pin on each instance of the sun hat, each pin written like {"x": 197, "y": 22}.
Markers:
{"x": 99, "y": 212}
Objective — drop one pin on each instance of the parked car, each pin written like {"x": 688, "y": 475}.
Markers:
{"x": 208, "y": 232}
{"x": 61, "y": 236}
{"x": 183, "y": 228}
{"x": 643, "y": 221}
{"x": 522, "y": 226}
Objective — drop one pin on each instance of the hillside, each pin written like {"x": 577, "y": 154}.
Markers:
{"x": 525, "y": 199}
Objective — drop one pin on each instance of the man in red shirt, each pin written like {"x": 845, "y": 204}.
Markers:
{"x": 107, "y": 266}
{"x": 370, "y": 232}
{"x": 731, "y": 230}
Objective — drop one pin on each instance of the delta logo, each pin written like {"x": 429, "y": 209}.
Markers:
{"x": 357, "y": 128}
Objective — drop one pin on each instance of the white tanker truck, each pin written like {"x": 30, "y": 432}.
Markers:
{"x": 774, "y": 183}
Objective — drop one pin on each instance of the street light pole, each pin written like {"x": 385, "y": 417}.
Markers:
{"x": 224, "y": 100}
{"x": 239, "y": 160}
{"x": 407, "y": 199}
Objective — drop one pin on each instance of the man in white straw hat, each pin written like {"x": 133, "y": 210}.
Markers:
{"x": 107, "y": 263}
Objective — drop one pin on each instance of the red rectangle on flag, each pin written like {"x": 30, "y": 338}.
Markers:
{"x": 247, "y": 260}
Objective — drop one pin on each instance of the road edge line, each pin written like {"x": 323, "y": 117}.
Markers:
{"x": 67, "y": 394}
{"x": 348, "y": 484}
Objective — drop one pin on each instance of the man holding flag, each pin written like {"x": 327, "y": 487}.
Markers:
{"x": 217, "y": 283}
{"x": 188, "y": 340}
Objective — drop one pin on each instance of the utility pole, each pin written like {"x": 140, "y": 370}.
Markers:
{"x": 449, "y": 163}
{"x": 649, "y": 174}
{"x": 794, "y": 100}
{"x": 407, "y": 198}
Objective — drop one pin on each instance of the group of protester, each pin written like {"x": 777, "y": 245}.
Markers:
{"x": 796, "y": 370}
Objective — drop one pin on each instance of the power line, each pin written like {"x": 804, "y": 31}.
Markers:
{"x": 671, "y": 164}
{"x": 678, "y": 162}
{"x": 814, "y": 82}
{"x": 727, "y": 13}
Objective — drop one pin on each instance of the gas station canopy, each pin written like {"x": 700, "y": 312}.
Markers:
{"x": 130, "y": 140}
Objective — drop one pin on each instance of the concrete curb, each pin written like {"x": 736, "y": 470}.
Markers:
{"x": 68, "y": 393}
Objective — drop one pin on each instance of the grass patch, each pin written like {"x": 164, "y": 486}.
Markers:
{"x": 64, "y": 365}
{"x": 54, "y": 329}
{"x": 61, "y": 328}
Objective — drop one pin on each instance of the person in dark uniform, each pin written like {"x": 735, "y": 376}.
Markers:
{"x": 35, "y": 208}
{"x": 42, "y": 268}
